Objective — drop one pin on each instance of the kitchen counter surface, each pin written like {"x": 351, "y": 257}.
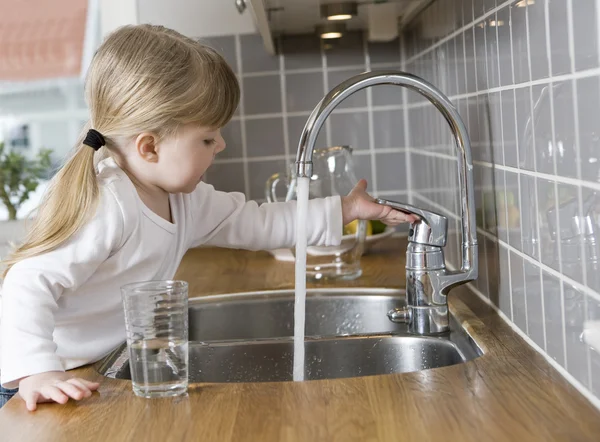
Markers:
{"x": 509, "y": 394}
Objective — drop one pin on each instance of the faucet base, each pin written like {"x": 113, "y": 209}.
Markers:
{"x": 422, "y": 320}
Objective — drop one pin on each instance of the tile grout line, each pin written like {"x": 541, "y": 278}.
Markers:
{"x": 238, "y": 56}
{"x": 556, "y": 178}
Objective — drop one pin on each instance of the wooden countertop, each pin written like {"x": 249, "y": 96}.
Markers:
{"x": 509, "y": 394}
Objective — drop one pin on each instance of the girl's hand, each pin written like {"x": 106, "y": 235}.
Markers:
{"x": 360, "y": 205}
{"x": 54, "y": 386}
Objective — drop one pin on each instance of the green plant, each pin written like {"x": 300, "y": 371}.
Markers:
{"x": 20, "y": 176}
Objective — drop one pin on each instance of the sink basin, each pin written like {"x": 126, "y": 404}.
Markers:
{"x": 248, "y": 338}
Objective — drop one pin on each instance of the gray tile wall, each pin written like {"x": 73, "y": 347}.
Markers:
{"x": 278, "y": 94}
{"x": 525, "y": 77}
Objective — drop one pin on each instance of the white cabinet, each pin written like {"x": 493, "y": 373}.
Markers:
{"x": 194, "y": 18}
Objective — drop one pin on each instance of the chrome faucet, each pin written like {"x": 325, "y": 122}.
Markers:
{"x": 427, "y": 279}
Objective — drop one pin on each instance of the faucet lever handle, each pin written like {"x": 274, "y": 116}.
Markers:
{"x": 431, "y": 229}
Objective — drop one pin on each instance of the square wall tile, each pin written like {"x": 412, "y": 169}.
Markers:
{"x": 422, "y": 177}
{"x": 575, "y": 315}
{"x": 504, "y": 293}
{"x": 232, "y": 134}
{"x": 448, "y": 72}
{"x": 518, "y": 20}
{"x": 491, "y": 41}
{"x": 358, "y": 99}
{"x": 492, "y": 265}
{"x": 226, "y": 47}
{"x": 533, "y": 293}
{"x": 524, "y": 128}
{"x": 391, "y": 171}
{"x": 386, "y": 95}
{"x": 488, "y": 5}
{"x": 559, "y": 37}
{"x": 554, "y": 322}
{"x": 388, "y": 129}
{"x": 542, "y": 128}
{"x": 482, "y": 282}
{"x": 384, "y": 52}
{"x": 594, "y": 314}
{"x": 295, "y": 127}
{"x": 350, "y": 129}
{"x": 461, "y": 73}
{"x": 264, "y": 137}
{"x": 495, "y": 110}
{"x": 481, "y": 57}
{"x": 518, "y": 291}
{"x": 362, "y": 170}
{"x": 468, "y": 12}
{"x": 470, "y": 60}
{"x": 254, "y": 56}
{"x": 301, "y": 51}
{"x": 537, "y": 40}
{"x": 511, "y": 157}
{"x": 584, "y": 26}
{"x": 588, "y": 104}
{"x": 529, "y": 214}
{"x": 259, "y": 172}
{"x": 484, "y": 151}
{"x": 564, "y": 127}
{"x": 347, "y": 51}
{"x": 548, "y": 221}
{"x": 504, "y": 46}
{"x": 304, "y": 91}
{"x": 513, "y": 210}
{"x": 262, "y": 95}
{"x": 570, "y": 254}
{"x": 500, "y": 200}
{"x": 226, "y": 177}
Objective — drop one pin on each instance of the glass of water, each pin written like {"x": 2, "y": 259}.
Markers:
{"x": 156, "y": 319}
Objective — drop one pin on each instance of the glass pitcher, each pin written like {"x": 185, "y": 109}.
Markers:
{"x": 333, "y": 174}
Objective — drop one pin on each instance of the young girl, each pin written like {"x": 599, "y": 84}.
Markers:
{"x": 129, "y": 203}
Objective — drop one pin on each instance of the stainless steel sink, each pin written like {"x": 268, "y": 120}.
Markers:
{"x": 248, "y": 338}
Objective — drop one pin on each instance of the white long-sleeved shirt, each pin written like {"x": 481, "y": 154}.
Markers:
{"x": 63, "y": 309}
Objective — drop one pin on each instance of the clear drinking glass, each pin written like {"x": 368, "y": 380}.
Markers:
{"x": 156, "y": 319}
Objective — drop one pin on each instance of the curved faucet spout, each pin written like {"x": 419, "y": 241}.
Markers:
{"x": 443, "y": 104}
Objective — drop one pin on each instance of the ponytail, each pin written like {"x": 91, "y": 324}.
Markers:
{"x": 69, "y": 202}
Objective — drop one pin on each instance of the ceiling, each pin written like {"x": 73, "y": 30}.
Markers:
{"x": 301, "y": 16}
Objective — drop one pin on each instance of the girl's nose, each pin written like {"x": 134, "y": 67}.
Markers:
{"x": 221, "y": 147}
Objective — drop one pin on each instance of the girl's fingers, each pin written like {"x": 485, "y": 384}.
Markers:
{"x": 70, "y": 390}
{"x": 31, "y": 400}
{"x": 89, "y": 384}
{"x": 79, "y": 384}
{"x": 53, "y": 393}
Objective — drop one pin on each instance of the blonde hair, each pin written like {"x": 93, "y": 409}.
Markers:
{"x": 142, "y": 78}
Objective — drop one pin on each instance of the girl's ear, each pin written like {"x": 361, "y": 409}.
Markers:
{"x": 146, "y": 146}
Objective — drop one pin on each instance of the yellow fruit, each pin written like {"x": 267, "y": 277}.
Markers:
{"x": 352, "y": 228}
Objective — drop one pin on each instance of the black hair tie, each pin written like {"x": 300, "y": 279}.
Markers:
{"x": 94, "y": 139}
